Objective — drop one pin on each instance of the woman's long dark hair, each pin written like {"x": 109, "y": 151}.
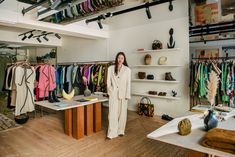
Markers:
{"x": 116, "y": 61}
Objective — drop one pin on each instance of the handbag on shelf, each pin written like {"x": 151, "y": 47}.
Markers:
{"x": 145, "y": 107}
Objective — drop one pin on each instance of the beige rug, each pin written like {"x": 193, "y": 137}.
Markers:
{"x": 7, "y": 124}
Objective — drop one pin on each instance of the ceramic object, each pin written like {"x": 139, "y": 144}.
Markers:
{"x": 87, "y": 92}
{"x": 147, "y": 59}
{"x": 210, "y": 121}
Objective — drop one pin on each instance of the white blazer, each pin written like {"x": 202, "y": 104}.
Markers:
{"x": 120, "y": 83}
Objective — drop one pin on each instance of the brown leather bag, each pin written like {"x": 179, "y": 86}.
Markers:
{"x": 146, "y": 108}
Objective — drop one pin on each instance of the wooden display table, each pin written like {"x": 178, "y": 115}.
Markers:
{"x": 81, "y": 118}
{"x": 191, "y": 141}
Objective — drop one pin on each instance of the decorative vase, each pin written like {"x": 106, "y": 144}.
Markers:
{"x": 87, "y": 92}
{"x": 210, "y": 120}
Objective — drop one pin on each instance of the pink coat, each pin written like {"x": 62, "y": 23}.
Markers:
{"x": 47, "y": 80}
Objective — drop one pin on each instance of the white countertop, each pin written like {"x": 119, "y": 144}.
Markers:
{"x": 68, "y": 104}
{"x": 191, "y": 141}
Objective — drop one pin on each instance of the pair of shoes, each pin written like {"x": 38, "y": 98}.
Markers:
{"x": 52, "y": 97}
{"x": 162, "y": 94}
{"x": 153, "y": 92}
{"x": 169, "y": 77}
{"x": 166, "y": 117}
{"x": 121, "y": 135}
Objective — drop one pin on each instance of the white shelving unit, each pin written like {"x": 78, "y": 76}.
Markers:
{"x": 155, "y": 81}
{"x": 160, "y": 50}
{"x": 155, "y": 66}
{"x": 156, "y": 96}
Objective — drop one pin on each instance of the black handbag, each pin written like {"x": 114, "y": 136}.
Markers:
{"x": 146, "y": 108}
{"x": 150, "y": 77}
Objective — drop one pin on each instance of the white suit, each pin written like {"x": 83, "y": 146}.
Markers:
{"x": 118, "y": 87}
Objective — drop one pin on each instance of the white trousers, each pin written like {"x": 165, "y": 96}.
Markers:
{"x": 117, "y": 116}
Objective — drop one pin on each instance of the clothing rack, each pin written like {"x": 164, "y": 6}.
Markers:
{"x": 199, "y": 74}
{"x": 91, "y": 62}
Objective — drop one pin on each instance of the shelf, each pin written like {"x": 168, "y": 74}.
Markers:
{"x": 160, "y": 50}
{"x": 157, "y": 81}
{"x": 156, "y": 96}
{"x": 153, "y": 66}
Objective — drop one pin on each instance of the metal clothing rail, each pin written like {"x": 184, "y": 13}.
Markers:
{"x": 223, "y": 27}
{"x": 216, "y": 58}
{"x": 91, "y": 62}
{"x": 205, "y": 41}
{"x": 146, "y": 6}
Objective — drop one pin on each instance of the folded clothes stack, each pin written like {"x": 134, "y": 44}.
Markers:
{"x": 220, "y": 139}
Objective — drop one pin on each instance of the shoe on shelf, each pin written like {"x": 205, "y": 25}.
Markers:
{"x": 166, "y": 117}
{"x": 169, "y": 77}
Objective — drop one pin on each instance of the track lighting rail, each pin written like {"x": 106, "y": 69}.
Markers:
{"x": 143, "y": 6}
{"x": 43, "y": 34}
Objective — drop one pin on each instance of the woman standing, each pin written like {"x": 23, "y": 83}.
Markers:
{"x": 118, "y": 85}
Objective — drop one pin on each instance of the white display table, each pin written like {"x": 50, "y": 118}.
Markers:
{"x": 81, "y": 118}
{"x": 191, "y": 141}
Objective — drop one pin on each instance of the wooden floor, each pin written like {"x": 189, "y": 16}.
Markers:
{"x": 44, "y": 137}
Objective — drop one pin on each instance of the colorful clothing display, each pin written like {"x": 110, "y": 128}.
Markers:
{"x": 200, "y": 74}
{"x": 70, "y": 77}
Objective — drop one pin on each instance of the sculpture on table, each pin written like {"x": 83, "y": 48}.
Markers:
{"x": 87, "y": 92}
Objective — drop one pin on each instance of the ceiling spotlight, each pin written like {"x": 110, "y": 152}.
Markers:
{"x": 1, "y": 1}
{"x": 30, "y": 36}
{"x": 148, "y": 13}
{"x": 44, "y": 37}
{"x": 57, "y": 35}
{"x": 24, "y": 37}
{"x": 39, "y": 40}
{"x": 100, "y": 24}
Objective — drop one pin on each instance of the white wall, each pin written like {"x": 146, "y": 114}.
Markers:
{"x": 82, "y": 50}
{"x": 128, "y": 37}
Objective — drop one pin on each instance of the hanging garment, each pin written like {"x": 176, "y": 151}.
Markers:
{"x": 3, "y": 66}
{"x": 24, "y": 80}
{"x": 225, "y": 97}
{"x": 47, "y": 81}
{"x": 8, "y": 78}
{"x": 69, "y": 78}
{"x": 13, "y": 89}
{"x": 78, "y": 82}
{"x": 119, "y": 91}
{"x": 202, "y": 85}
{"x": 74, "y": 73}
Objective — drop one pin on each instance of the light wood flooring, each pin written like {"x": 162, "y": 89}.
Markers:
{"x": 44, "y": 137}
